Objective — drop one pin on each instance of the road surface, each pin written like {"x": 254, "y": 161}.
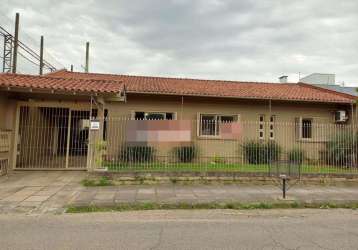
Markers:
{"x": 199, "y": 229}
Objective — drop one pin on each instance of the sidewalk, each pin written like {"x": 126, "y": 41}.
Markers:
{"x": 51, "y": 192}
{"x": 244, "y": 193}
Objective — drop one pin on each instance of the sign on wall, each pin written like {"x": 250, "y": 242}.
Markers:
{"x": 94, "y": 125}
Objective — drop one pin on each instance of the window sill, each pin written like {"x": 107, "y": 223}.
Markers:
{"x": 310, "y": 140}
{"x": 212, "y": 137}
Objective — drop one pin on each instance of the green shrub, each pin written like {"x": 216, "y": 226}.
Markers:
{"x": 342, "y": 149}
{"x": 296, "y": 156}
{"x": 100, "y": 152}
{"x": 218, "y": 160}
{"x": 257, "y": 152}
{"x": 138, "y": 154}
{"x": 185, "y": 153}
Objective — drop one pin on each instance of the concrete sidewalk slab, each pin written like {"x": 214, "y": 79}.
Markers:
{"x": 51, "y": 192}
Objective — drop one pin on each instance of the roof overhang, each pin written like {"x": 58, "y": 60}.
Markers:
{"x": 241, "y": 98}
{"x": 59, "y": 92}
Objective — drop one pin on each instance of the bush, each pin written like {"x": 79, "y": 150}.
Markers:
{"x": 296, "y": 156}
{"x": 342, "y": 149}
{"x": 257, "y": 152}
{"x": 138, "y": 154}
{"x": 185, "y": 153}
{"x": 218, "y": 160}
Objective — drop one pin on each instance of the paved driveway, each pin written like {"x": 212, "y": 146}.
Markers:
{"x": 39, "y": 191}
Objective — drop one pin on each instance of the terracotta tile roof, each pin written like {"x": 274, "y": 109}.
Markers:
{"x": 100, "y": 86}
{"x": 194, "y": 87}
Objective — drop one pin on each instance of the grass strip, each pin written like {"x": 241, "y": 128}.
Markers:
{"x": 213, "y": 205}
{"x": 208, "y": 167}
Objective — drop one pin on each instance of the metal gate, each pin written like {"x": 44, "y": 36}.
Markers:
{"x": 52, "y": 138}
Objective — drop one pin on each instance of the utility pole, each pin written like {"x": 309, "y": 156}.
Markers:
{"x": 87, "y": 57}
{"x": 7, "y": 56}
{"x": 71, "y": 67}
{"x": 41, "y": 55}
{"x": 16, "y": 43}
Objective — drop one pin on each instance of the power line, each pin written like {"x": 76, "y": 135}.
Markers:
{"x": 28, "y": 50}
{"x": 28, "y": 59}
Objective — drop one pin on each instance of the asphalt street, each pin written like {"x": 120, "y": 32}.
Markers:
{"x": 183, "y": 229}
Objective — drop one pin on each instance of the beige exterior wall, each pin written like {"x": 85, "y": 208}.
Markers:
{"x": 188, "y": 108}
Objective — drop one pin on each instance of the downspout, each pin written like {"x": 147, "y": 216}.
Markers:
{"x": 270, "y": 108}
{"x": 182, "y": 108}
{"x": 352, "y": 109}
{"x": 353, "y": 135}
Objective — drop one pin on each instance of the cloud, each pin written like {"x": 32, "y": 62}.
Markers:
{"x": 239, "y": 40}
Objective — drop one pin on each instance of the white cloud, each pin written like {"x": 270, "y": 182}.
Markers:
{"x": 240, "y": 40}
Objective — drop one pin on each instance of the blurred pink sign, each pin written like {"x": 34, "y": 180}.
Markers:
{"x": 230, "y": 130}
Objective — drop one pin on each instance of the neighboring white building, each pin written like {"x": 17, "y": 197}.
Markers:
{"x": 327, "y": 81}
{"x": 318, "y": 78}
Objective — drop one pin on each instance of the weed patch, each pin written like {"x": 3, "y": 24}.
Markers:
{"x": 213, "y": 205}
{"x": 102, "y": 182}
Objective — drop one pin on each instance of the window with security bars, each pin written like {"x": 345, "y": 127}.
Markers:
{"x": 306, "y": 128}
{"x": 210, "y": 123}
{"x": 140, "y": 115}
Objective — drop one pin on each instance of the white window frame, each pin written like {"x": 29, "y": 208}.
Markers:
{"x": 217, "y": 126}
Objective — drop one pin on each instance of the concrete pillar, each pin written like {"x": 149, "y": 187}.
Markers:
{"x": 95, "y": 141}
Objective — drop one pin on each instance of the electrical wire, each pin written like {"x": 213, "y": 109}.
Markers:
{"x": 28, "y": 59}
{"x": 28, "y": 50}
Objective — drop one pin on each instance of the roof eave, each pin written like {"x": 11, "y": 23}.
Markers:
{"x": 242, "y": 98}
{"x": 56, "y": 91}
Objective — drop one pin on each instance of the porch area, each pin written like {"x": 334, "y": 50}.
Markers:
{"x": 52, "y": 137}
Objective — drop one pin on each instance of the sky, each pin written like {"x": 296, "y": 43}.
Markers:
{"x": 246, "y": 40}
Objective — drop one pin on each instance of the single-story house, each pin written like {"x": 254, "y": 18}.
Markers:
{"x": 47, "y": 122}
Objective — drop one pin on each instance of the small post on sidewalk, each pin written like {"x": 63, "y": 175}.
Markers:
{"x": 284, "y": 180}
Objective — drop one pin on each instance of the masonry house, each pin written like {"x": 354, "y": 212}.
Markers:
{"x": 56, "y": 121}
